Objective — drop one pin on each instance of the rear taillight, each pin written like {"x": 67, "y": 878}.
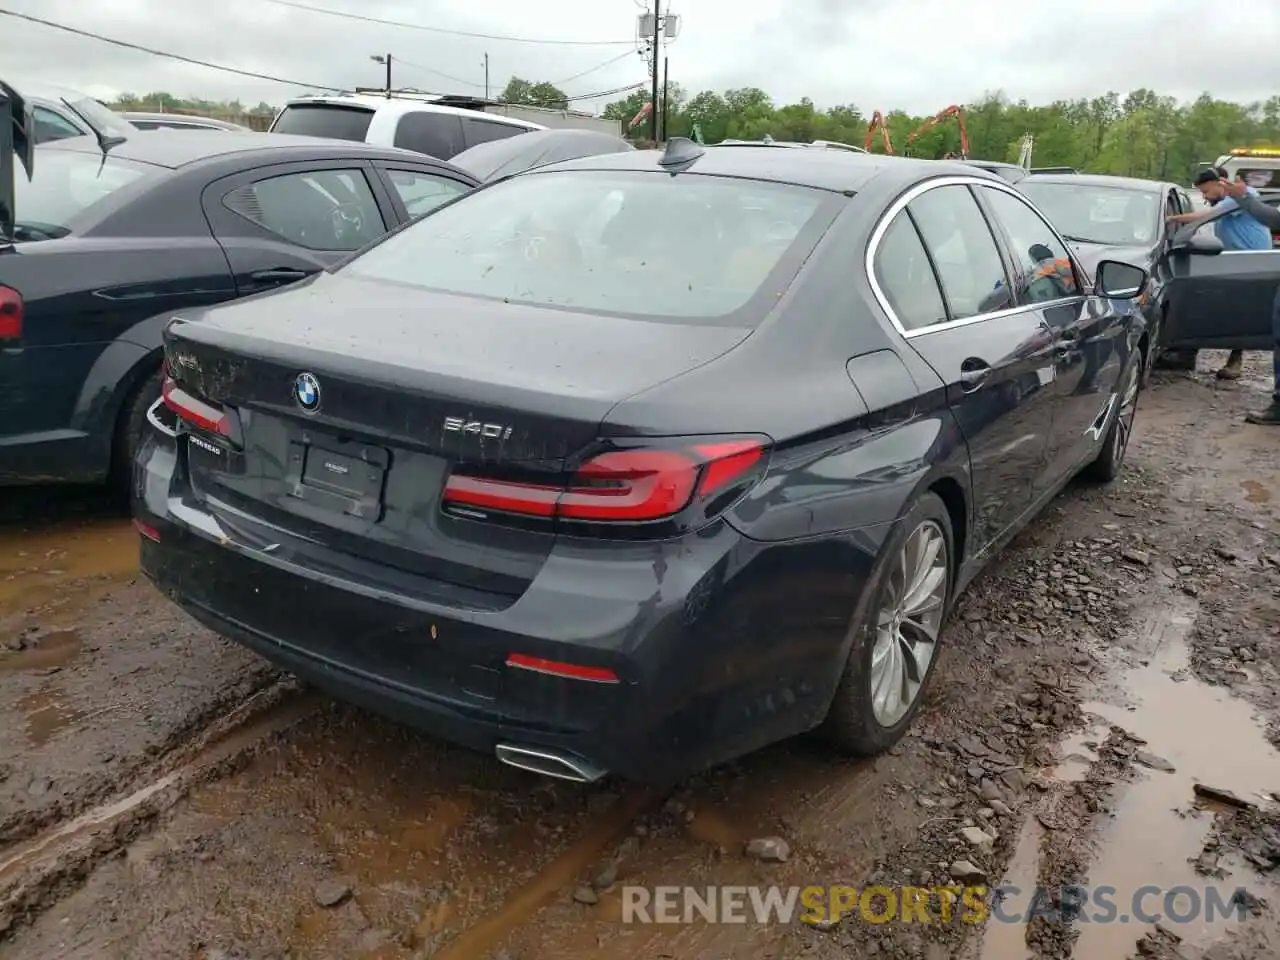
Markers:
{"x": 627, "y": 484}
{"x": 10, "y": 314}
{"x": 192, "y": 409}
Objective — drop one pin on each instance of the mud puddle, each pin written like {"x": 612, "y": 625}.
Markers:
{"x": 1153, "y": 859}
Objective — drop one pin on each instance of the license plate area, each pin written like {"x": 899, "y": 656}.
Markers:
{"x": 338, "y": 476}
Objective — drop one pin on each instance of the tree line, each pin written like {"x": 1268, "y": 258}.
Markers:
{"x": 1142, "y": 134}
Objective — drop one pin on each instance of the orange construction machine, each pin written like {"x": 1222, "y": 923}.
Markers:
{"x": 947, "y": 114}
{"x": 877, "y": 120}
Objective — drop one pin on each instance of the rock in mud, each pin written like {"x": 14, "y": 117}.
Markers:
{"x": 606, "y": 876}
{"x": 332, "y": 893}
{"x": 965, "y": 871}
{"x": 982, "y": 841}
{"x": 769, "y": 849}
{"x": 1219, "y": 795}
{"x": 1153, "y": 762}
{"x": 586, "y": 895}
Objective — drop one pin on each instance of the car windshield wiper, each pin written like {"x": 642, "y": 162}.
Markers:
{"x": 29, "y": 232}
{"x": 1071, "y": 239}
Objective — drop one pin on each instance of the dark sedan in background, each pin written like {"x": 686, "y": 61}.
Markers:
{"x": 109, "y": 244}
{"x": 1199, "y": 296}
{"x": 695, "y": 458}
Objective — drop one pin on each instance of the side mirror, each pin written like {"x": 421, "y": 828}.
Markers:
{"x": 1119, "y": 281}
{"x": 1201, "y": 243}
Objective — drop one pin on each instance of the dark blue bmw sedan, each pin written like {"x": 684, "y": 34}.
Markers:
{"x": 633, "y": 464}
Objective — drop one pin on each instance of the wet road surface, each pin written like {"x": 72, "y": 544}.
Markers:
{"x": 166, "y": 794}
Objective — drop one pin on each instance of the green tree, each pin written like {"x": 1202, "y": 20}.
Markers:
{"x": 543, "y": 94}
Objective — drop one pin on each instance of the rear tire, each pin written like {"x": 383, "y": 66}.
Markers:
{"x": 1110, "y": 460}
{"x": 898, "y": 636}
{"x": 130, "y": 426}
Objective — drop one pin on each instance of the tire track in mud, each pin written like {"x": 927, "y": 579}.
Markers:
{"x": 34, "y": 872}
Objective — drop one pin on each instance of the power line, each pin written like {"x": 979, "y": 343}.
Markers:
{"x": 162, "y": 53}
{"x": 599, "y": 66}
{"x": 455, "y": 33}
{"x": 401, "y": 62}
{"x": 606, "y": 93}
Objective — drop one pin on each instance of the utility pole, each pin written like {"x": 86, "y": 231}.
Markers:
{"x": 486, "y": 76}
{"x": 657, "y": 45}
{"x": 666, "y": 73}
{"x": 384, "y": 58}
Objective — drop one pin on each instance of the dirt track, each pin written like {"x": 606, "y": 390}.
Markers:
{"x": 1115, "y": 657}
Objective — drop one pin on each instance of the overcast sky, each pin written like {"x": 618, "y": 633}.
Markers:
{"x": 917, "y": 55}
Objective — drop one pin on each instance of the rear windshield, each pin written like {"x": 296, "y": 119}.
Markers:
{"x": 690, "y": 247}
{"x": 324, "y": 120}
{"x": 66, "y": 186}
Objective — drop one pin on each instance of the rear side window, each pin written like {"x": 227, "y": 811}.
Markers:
{"x": 50, "y": 126}
{"x": 422, "y": 192}
{"x": 963, "y": 249}
{"x": 435, "y": 134}
{"x": 1045, "y": 267}
{"x": 68, "y": 186}
{"x": 320, "y": 209}
{"x": 324, "y": 120}
{"x": 716, "y": 250}
{"x": 906, "y": 277}
{"x": 483, "y": 131}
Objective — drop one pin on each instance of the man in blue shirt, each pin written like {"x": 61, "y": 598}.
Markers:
{"x": 1237, "y": 230}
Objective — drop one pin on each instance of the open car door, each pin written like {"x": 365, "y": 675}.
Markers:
{"x": 1218, "y": 299}
{"x": 17, "y": 140}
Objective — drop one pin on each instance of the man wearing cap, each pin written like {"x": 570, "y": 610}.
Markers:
{"x": 1269, "y": 217}
{"x": 1238, "y": 230}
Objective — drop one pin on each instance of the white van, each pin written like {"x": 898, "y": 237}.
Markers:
{"x": 412, "y": 122}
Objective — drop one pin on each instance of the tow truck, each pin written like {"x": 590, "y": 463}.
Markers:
{"x": 1260, "y": 166}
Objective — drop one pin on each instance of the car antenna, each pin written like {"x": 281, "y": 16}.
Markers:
{"x": 681, "y": 152}
{"x": 105, "y": 140}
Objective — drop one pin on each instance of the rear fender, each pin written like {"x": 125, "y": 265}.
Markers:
{"x": 120, "y": 369}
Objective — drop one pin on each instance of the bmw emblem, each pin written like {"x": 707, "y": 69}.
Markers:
{"x": 306, "y": 390}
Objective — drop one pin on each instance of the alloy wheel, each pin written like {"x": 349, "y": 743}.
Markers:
{"x": 1125, "y": 415}
{"x": 908, "y": 623}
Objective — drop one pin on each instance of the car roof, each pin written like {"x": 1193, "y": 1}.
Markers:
{"x": 182, "y": 118}
{"x": 993, "y": 164}
{"x": 1103, "y": 180}
{"x": 842, "y": 171}
{"x": 402, "y": 105}
{"x": 178, "y": 148}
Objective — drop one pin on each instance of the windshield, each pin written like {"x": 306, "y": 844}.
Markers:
{"x": 66, "y": 185}
{"x": 1114, "y": 216}
{"x": 324, "y": 120}
{"x": 638, "y": 244}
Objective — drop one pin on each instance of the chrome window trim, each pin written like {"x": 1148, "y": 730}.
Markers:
{"x": 900, "y": 204}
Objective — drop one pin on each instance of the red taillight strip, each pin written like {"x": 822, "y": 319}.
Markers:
{"x": 636, "y": 484}
{"x": 193, "y": 410}
{"x": 10, "y": 313}
{"x": 151, "y": 533}
{"x": 557, "y": 668}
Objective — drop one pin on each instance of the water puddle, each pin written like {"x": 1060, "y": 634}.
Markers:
{"x": 1255, "y": 492}
{"x": 37, "y": 565}
{"x": 1194, "y": 733}
{"x": 46, "y": 716}
{"x": 48, "y": 651}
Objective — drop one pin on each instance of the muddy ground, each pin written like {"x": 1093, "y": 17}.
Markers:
{"x": 1106, "y": 715}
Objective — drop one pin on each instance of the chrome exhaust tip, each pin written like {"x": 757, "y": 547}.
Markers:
{"x": 548, "y": 763}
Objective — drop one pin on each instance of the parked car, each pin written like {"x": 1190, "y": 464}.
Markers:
{"x": 60, "y": 113}
{"x": 181, "y": 121}
{"x": 697, "y": 462}
{"x": 503, "y": 158}
{"x": 1193, "y": 301}
{"x": 1008, "y": 171}
{"x": 414, "y": 124}
{"x": 109, "y": 245}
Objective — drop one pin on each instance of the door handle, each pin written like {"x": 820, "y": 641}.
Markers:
{"x": 279, "y": 275}
{"x": 973, "y": 374}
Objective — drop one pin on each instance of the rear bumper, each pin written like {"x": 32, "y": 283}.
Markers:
{"x": 714, "y": 654}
